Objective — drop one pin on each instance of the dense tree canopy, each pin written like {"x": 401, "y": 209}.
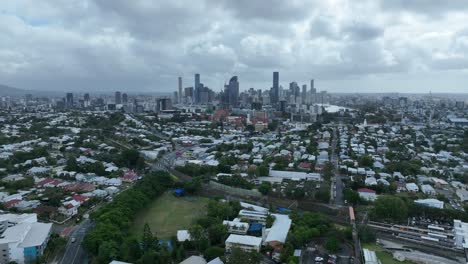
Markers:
{"x": 109, "y": 239}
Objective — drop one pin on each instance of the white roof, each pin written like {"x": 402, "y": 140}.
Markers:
{"x": 370, "y": 257}
{"x": 245, "y": 212}
{"x": 216, "y": 261}
{"x": 183, "y": 235}
{"x": 194, "y": 260}
{"x": 18, "y": 218}
{"x": 280, "y": 228}
{"x": 254, "y": 207}
{"x": 37, "y": 235}
{"x": 236, "y": 223}
{"x": 295, "y": 175}
{"x": 244, "y": 240}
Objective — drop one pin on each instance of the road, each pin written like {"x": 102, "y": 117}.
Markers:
{"x": 165, "y": 162}
{"x": 336, "y": 192}
{"x": 74, "y": 252}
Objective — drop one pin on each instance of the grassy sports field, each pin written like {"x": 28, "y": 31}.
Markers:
{"x": 168, "y": 213}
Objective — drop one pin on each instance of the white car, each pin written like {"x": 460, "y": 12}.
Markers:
{"x": 318, "y": 259}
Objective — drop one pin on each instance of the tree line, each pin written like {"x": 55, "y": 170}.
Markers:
{"x": 110, "y": 237}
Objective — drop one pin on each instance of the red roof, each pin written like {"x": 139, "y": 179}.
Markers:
{"x": 130, "y": 176}
{"x": 84, "y": 186}
{"x": 12, "y": 203}
{"x": 80, "y": 198}
{"x": 305, "y": 165}
{"x": 365, "y": 190}
{"x": 351, "y": 213}
{"x": 45, "y": 181}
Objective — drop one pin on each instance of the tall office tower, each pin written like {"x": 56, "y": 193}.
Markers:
{"x": 124, "y": 98}
{"x": 163, "y": 104}
{"x": 231, "y": 92}
{"x": 197, "y": 88}
{"x": 86, "y": 97}
{"x": 180, "y": 89}
{"x": 175, "y": 97}
{"x": 189, "y": 94}
{"x": 275, "y": 87}
{"x": 304, "y": 94}
{"x": 294, "y": 91}
{"x": 69, "y": 100}
{"x": 118, "y": 97}
{"x": 313, "y": 92}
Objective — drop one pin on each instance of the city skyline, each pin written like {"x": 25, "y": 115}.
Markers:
{"x": 97, "y": 46}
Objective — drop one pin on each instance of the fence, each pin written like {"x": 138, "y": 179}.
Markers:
{"x": 233, "y": 190}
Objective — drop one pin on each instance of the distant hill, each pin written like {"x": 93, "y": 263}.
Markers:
{"x": 11, "y": 91}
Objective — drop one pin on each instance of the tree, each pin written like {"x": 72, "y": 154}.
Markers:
{"x": 323, "y": 195}
{"x": 351, "y": 196}
{"x": 130, "y": 157}
{"x": 465, "y": 142}
{"x": 238, "y": 256}
{"x": 213, "y": 252}
{"x": 197, "y": 235}
{"x": 332, "y": 245}
{"x": 391, "y": 208}
{"x": 72, "y": 165}
{"x": 107, "y": 251}
{"x": 270, "y": 220}
{"x": 220, "y": 210}
{"x": 148, "y": 240}
{"x": 262, "y": 170}
{"x": 217, "y": 233}
{"x": 328, "y": 171}
{"x": 366, "y": 161}
{"x": 264, "y": 188}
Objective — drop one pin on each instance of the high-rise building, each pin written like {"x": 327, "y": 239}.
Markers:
{"x": 175, "y": 97}
{"x": 188, "y": 94}
{"x": 124, "y": 98}
{"x": 180, "y": 89}
{"x": 69, "y": 100}
{"x": 118, "y": 97}
{"x": 197, "y": 88}
{"x": 86, "y": 97}
{"x": 163, "y": 104}
{"x": 304, "y": 94}
{"x": 231, "y": 92}
{"x": 275, "y": 95}
{"x": 313, "y": 92}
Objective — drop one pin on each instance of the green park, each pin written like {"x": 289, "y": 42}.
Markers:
{"x": 168, "y": 213}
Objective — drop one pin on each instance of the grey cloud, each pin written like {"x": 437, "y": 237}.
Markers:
{"x": 99, "y": 44}
{"x": 427, "y": 7}
{"x": 324, "y": 27}
{"x": 363, "y": 31}
{"x": 274, "y": 10}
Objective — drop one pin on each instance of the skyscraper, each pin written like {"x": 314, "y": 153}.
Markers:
{"x": 180, "y": 89}
{"x": 124, "y": 98}
{"x": 313, "y": 92}
{"x": 304, "y": 93}
{"x": 275, "y": 98}
{"x": 69, "y": 101}
{"x": 197, "y": 88}
{"x": 118, "y": 97}
{"x": 231, "y": 92}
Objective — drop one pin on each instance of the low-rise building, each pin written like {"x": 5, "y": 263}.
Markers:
{"x": 431, "y": 203}
{"x": 462, "y": 194}
{"x": 428, "y": 189}
{"x": 25, "y": 240}
{"x": 412, "y": 187}
{"x": 246, "y": 243}
{"x": 367, "y": 194}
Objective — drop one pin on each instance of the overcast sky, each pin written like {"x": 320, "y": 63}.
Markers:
{"x": 144, "y": 45}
